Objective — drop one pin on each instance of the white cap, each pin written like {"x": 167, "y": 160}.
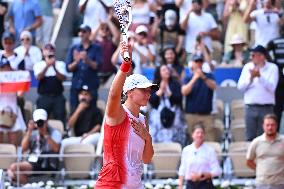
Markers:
{"x": 170, "y": 17}
{"x": 136, "y": 81}
{"x": 26, "y": 33}
{"x": 141, "y": 29}
{"x": 39, "y": 114}
{"x": 237, "y": 39}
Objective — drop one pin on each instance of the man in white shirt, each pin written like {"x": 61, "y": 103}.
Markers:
{"x": 198, "y": 23}
{"x": 50, "y": 74}
{"x": 267, "y": 21}
{"x": 258, "y": 81}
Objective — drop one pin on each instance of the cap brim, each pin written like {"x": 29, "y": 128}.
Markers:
{"x": 145, "y": 85}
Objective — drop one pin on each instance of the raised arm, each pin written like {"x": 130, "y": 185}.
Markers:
{"x": 115, "y": 113}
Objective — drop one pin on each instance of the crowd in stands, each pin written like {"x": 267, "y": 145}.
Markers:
{"x": 168, "y": 36}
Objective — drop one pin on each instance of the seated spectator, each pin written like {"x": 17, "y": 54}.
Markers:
{"x": 239, "y": 55}
{"x": 198, "y": 91}
{"x": 39, "y": 139}
{"x": 8, "y": 104}
{"x": 84, "y": 60}
{"x": 28, "y": 54}
{"x": 164, "y": 128}
{"x": 51, "y": 73}
{"x": 199, "y": 163}
{"x": 85, "y": 121}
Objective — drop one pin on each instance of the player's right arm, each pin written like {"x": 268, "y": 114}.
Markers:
{"x": 115, "y": 113}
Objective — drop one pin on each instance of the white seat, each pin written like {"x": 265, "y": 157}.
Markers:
{"x": 9, "y": 153}
{"x": 81, "y": 164}
{"x": 166, "y": 159}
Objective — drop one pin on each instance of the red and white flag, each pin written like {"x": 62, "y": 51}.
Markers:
{"x": 14, "y": 81}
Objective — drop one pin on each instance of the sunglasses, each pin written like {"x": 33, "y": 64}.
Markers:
{"x": 25, "y": 39}
{"x": 8, "y": 42}
{"x": 50, "y": 56}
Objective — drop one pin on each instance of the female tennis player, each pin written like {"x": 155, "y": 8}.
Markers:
{"x": 127, "y": 142}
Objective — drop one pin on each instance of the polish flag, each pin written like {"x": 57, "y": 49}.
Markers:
{"x": 14, "y": 81}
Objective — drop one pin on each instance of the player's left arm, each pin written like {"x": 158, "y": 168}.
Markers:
{"x": 148, "y": 148}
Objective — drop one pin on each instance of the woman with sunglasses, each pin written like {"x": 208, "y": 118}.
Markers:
{"x": 28, "y": 54}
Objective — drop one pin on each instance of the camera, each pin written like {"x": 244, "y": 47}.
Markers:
{"x": 83, "y": 100}
{"x": 40, "y": 123}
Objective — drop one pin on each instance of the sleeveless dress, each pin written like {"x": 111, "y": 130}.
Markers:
{"x": 123, "y": 149}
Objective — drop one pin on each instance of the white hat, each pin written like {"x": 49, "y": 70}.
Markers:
{"x": 39, "y": 114}
{"x": 237, "y": 39}
{"x": 141, "y": 29}
{"x": 26, "y": 33}
{"x": 170, "y": 17}
{"x": 136, "y": 81}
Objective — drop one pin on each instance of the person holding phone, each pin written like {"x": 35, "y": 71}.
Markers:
{"x": 39, "y": 139}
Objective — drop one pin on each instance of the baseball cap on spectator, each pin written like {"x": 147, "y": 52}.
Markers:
{"x": 26, "y": 34}
{"x": 197, "y": 57}
{"x": 84, "y": 27}
{"x": 136, "y": 81}
{"x": 141, "y": 29}
{"x": 39, "y": 114}
{"x": 170, "y": 17}
{"x": 8, "y": 35}
{"x": 85, "y": 88}
{"x": 259, "y": 49}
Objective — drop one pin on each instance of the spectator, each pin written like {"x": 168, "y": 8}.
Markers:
{"x": 198, "y": 91}
{"x": 24, "y": 15}
{"x": 238, "y": 56}
{"x": 163, "y": 128}
{"x": 267, "y": 21}
{"x": 265, "y": 155}
{"x": 199, "y": 163}
{"x": 51, "y": 73}
{"x": 3, "y": 11}
{"x": 170, "y": 58}
{"x": 85, "y": 121}
{"x": 233, "y": 20}
{"x": 144, "y": 49}
{"x": 39, "y": 139}
{"x": 198, "y": 23}
{"x": 43, "y": 33}
{"x": 107, "y": 36}
{"x": 28, "y": 54}
{"x": 88, "y": 8}
{"x": 276, "y": 47}
{"x": 9, "y": 105}
{"x": 258, "y": 77}
{"x": 168, "y": 32}
{"x": 141, "y": 14}
{"x": 84, "y": 60}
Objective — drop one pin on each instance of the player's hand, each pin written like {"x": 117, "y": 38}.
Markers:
{"x": 125, "y": 47}
{"x": 140, "y": 129}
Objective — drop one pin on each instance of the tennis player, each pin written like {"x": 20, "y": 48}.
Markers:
{"x": 127, "y": 142}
